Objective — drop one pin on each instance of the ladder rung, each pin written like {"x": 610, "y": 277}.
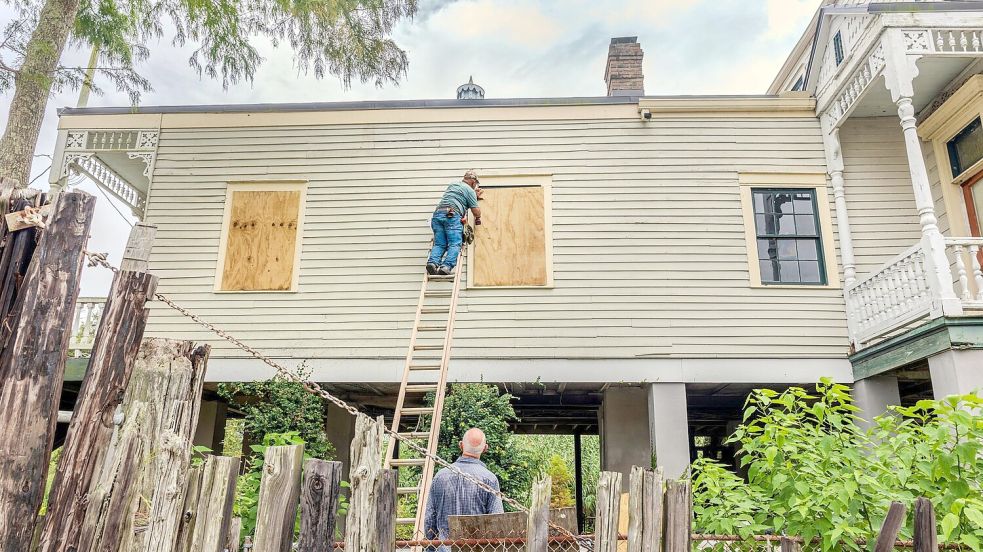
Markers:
{"x": 417, "y": 410}
{"x": 415, "y": 435}
{"x": 405, "y": 521}
{"x": 440, "y": 277}
{"x": 437, "y": 294}
{"x": 428, "y": 347}
{"x": 435, "y": 310}
{"x": 424, "y": 366}
{"x": 430, "y": 328}
{"x": 404, "y": 462}
{"x": 421, "y": 388}
{"x": 407, "y": 490}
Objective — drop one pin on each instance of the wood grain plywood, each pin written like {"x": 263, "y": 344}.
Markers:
{"x": 262, "y": 241}
{"x": 510, "y": 244}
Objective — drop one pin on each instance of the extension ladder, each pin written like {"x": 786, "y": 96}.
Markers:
{"x": 425, "y": 372}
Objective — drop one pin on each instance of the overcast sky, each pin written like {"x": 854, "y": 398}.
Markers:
{"x": 513, "y": 48}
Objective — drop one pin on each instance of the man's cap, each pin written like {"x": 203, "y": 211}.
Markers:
{"x": 471, "y": 174}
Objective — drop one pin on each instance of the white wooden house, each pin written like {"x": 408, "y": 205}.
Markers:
{"x": 668, "y": 253}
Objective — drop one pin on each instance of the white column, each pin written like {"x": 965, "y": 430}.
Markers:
{"x": 210, "y": 431}
{"x": 900, "y": 70}
{"x": 873, "y": 395}
{"x": 834, "y": 167}
{"x": 669, "y": 421}
{"x": 624, "y": 429}
{"x": 956, "y": 372}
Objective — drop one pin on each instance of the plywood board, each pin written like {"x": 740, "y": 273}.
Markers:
{"x": 510, "y": 244}
{"x": 262, "y": 241}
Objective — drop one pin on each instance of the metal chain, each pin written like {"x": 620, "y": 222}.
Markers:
{"x": 100, "y": 259}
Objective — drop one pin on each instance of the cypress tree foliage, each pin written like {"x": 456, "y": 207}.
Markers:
{"x": 345, "y": 38}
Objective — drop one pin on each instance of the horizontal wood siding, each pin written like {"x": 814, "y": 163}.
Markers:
{"x": 648, "y": 238}
{"x": 879, "y": 196}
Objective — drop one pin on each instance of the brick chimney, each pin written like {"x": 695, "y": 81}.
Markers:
{"x": 623, "y": 72}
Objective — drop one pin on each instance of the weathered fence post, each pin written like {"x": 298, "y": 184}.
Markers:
{"x": 537, "y": 525}
{"x": 207, "y": 508}
{"x": 608, "y": 510}
{"x": 110, "y": 365}
{"x": 279, "y": 491}
{"x": 373, "y": 492}
{"x": 679, "y": 516}
{"x": 890, "y": 528}
{"x": 789, "y": 545}
{"x": 645, "y": 510}
{"x": 15, "y": 259}
{"x": 319, "y": 505}
{"x": 33, "y": 366}
{"x": 136, "y": 499}
{"x": 235, "y": 534}
{"x": 926, "y": 538}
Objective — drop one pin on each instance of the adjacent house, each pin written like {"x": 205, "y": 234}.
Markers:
{"x": 656, "y": 257}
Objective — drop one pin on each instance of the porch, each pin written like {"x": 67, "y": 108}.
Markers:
{"x": 925, "y": 67}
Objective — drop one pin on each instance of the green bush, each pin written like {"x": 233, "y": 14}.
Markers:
{"x": 280, "y": 406}
{"x": 561, "y": 490}
{"x": 813, "y": 472}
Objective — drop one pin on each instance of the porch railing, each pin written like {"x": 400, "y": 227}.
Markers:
{"x": 88, "y": 313}
{"x": 900, "y": 292}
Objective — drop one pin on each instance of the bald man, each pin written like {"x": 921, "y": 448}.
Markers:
{"x": 453, "y": 495}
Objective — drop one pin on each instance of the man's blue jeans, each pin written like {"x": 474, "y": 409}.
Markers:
{"x": 447, "y": 238}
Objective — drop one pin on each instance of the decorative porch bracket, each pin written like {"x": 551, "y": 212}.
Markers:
{"x": 80, "y": 149}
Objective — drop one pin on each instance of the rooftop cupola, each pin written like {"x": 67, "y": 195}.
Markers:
{"x": 470, "y": 91}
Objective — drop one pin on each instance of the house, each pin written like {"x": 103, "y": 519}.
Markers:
{"x": 659, "y": 256}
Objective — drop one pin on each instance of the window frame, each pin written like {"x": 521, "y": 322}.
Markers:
{"x": 817, "y": 182}
{"x": 507, "y": 180}
{"x": 838, "y": 54}
{"x": 955, "y": 167}
{"x": 260, "y": 186}
{"x": 818, "y": 238}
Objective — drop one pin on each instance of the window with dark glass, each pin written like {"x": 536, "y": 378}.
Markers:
{"x": 838, "y": 47}
{"x": 966, "y": 148}
{"x": 787, "y": 235}
{"x": 799, "y": 84}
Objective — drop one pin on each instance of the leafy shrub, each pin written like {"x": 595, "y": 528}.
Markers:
{"x": 812, "y": 471}
{"x": 561, "y": 490}
{"x": 280, "y": 406}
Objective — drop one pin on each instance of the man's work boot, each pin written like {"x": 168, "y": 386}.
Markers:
{"x": 445, "y": 271}
{"x": 432, "y": 268}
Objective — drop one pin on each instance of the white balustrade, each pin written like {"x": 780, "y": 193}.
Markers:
{"x": 964, "y": 253}
{"x": 888, "y": 299}
{"x": 88, "y": 313}
{"x": 112, "y": 182}
{"x": 899, "y": 293}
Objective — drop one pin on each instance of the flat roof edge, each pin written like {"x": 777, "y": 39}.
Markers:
{"x": 400, "y": 104}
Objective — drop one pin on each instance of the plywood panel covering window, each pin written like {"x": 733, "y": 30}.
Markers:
{"x": 511, "y": 246}
{"x": 261, "y": 237}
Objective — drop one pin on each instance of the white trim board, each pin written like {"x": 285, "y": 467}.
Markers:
{"x": 665, "y": 370}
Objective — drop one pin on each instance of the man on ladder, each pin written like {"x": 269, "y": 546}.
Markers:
{"x": 448, "y": 223}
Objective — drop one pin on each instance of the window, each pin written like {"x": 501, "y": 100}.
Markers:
{"x": 966, "y": 148}
{"x": 787, "y": 236}
{"x": 512, "y": 246}
{"x": 799, "y": 84}
{"x": 259, "y": 244}
{"x": 838, "y": 47}
{"x": 788, "y": 228}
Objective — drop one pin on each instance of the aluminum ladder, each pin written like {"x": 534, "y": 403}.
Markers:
{"x": 425, "y": 371}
